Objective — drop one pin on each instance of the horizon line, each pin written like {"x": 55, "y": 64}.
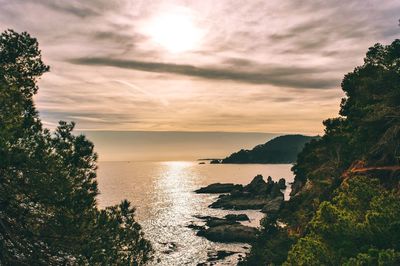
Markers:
{"x": 184, "y": 131}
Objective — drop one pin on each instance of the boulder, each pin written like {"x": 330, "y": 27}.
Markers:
{"x": 212, "y": 221}
{"x": 219, "y": 221}
{"x": 218, "y": 188}
{"x": 219, "y": 255}
{"x": 282, "y": 183}
{"x": 237, "y": 217}
{"x": 196, "y": 226}
{"x": 230, "y": 233}
{"x": 257, "y": 186}
{"x": 240, "y": 203}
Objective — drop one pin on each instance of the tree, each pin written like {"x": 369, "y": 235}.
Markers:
{"x": 355, "y": 222}
{"x": 371, "y": 105}
{"x": 48, "y": 189}
{"x": 361, "y": 223}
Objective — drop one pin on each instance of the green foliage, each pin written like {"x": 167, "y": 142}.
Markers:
{"x": 386, "y": 257}
{"x": 372, "y": 104}
{"x": 309, "y": 251}
{"x": 265, "y": 249}
{"x": 48, "y": 189}
{"x": 20, "y": 61}
{"x": 359, "y": 224}
{"x": 363, "y": 216}
{"x": 126, "y": 247}
{"x": 369, "y": 130}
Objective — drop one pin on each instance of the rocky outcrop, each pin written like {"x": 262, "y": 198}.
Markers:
{"x": 218, "y": 188}
{"x": 273, "y": 205}
{"x": 258, "y": 186}
{"x": 258, "y": 194}
{"x": 240, "y": 202}
{"x": 237, "y": 217}
{"x": 254, "y": 196}
{"x": 226, "y": 229}
{"x": 219, "y": 255}
{"x": 219, "y": 221}
{"x": 282, "y": 183}
{"x": 215, "y": 221}
{"x": 229, "y": 233}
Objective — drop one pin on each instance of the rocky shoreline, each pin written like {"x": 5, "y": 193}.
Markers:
{"x": 226, "y": 230}
{"x": 266, "y": 196}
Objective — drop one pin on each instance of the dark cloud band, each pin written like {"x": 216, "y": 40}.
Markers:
{"x": 288, "y": 77}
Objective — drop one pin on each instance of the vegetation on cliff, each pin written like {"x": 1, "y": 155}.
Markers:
{"x": 345, "y": 200}
{"x": 48, "y": 212}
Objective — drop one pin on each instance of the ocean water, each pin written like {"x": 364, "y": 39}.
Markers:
{"x": 162, "y": 193}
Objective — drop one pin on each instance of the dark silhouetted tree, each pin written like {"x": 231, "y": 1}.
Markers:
{"x": 48, "y": 189}
{"x": 356, "y": 221}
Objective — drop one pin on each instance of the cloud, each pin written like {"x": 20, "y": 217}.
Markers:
{"x": 80, "y": 9}
{"x": 277, "y": 76}
{"x": 271, "y": 65}
{"x": 151, "y": 96}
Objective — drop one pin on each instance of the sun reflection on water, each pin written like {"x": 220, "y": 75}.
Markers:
{"x": 163, "y": 194}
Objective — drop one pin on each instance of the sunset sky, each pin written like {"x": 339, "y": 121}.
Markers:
{"x": 232, "y": 66}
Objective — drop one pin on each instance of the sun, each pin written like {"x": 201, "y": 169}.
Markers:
{"x": 175, "y": 30}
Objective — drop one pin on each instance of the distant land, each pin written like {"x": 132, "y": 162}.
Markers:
{"x": 171, "y": 145}
{"x": 282, "y": 149}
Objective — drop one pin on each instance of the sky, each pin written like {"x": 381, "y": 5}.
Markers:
{"x": 198, "y": 66}
{"x": 171, "y": 145}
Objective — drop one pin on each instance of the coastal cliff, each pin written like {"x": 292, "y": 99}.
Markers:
{"x": 282, "y": 149}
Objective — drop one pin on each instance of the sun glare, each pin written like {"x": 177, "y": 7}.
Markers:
{"x": 175, "y": 30}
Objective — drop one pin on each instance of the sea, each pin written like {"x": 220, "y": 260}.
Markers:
{"x": 165, "y": 202}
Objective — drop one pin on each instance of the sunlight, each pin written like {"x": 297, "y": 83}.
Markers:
{"x": 175, "y": 30}
{"x": 178, "y": 164}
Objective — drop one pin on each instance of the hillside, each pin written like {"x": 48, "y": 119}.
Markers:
{"x": 282, "y": 149}
{"x": 345, "y": 202}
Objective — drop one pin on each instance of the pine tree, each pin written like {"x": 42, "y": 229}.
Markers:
{"x": 48, "y": 189}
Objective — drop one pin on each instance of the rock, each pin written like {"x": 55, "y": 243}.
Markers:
{"x": 202, "y": 163}
{"x": 275, "y": 191}
{"x": 282, "y": 183}
{"x": 215, "y": 161}
{"x": 218, "y": 188}
{"x": 170, "y": 247}
{"x": 218, "y": 221}
{"x": 230, "y": 233}
{"x": 241, "y": 203}
{"x": 211, "y": 222}
{"x": 254, "y": 196}
{"x": 237, "y": 217}
{"x": 273, "y": 205}
{"x": 257, "y": 185}
{"x": 219, "y": 255}
{"x": 195, "y": 226}
{"x": 203, "y": 217}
